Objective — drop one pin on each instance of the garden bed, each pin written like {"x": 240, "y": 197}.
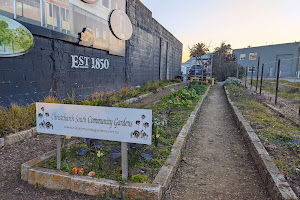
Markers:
{"x": 169, "y": 114}
{"x": 17, "y": 122}
{"x": 278, "y": 136}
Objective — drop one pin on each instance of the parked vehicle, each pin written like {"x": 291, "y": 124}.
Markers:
{"x": 198, "y": 74}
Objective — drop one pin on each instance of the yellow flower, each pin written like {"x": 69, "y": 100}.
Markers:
{"x": 157, "y": 136}
{"x": 189, "y": 106}
{"x": 68, "y": 137}
{"x": 99, "y": 154}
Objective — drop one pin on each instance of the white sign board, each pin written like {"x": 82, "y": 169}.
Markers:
{"x": 105, "y": 123}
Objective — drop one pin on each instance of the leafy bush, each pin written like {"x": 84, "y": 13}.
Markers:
{"x": 233, "y": 80}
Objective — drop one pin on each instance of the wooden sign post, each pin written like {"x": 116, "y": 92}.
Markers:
{"x": 58, "y": 153}
{"x": 124, "y": 154}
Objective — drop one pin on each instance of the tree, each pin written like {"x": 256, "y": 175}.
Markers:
{"x": 22, "y": 39}
{"x": 225, "y": 64}
{"x": 3, "y": 33}
{"x": 197, "y": 51}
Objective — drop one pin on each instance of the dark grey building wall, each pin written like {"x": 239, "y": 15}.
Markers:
{"x": 288, "y": 53}
{"x": 152, "y": 53}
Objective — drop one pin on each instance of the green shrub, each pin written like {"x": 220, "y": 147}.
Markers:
{"x": 233, "y": 80}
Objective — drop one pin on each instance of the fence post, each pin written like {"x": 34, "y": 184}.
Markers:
{"x": 251, "y": 77}
{"x": 257, "y": 74}
{"x": 246, "y": 77}
{"x": 261, "y": 78}
{"x": 278, "y": 70}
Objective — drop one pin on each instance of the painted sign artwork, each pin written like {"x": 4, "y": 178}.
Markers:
{"x": 86, "y": 20}
{"x": 120, "y": 25}
{"x": 15, "y": 39}
{"x": 106, "y": 123}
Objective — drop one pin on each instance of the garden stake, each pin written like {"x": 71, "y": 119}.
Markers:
{"x": 251, "y": 77}
{"x": 261, "y": 78}
{"x": 246, "y": 77}
{"x": 257, "y": 75}
{"x": 124, "y": 160}
{"x": 277, "y": 81}
{"x": 58, "y": 153}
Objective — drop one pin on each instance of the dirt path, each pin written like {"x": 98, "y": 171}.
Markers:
{"x": 216, "y": 162}
{"x": 155, "y": 97}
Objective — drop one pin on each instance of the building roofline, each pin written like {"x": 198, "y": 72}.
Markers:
{"x": 266, "y": 45}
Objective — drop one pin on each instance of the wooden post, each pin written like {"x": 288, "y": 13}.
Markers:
{"x": 261, "y": 78}
{"x": 251, "y": 77}
{"x": 124, "y": 160}
{"x": 257, "y": 74}
{"x": 246, "y": 77}
{"x": 58, "y": 153}
{"x": 278, "y": 70}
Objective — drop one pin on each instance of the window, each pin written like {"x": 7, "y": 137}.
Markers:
{"x": 105, "y": 3}
{"x": 250, "y": 68}
{"x": 63, "y": 14}
{"x": 67, "y": 15}
{"x": 252, "y": 56}
{"x": 50, "y": 9}
{"x": 243, "y": 56}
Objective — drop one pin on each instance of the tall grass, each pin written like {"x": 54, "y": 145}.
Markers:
{"x": 16, "y": 118}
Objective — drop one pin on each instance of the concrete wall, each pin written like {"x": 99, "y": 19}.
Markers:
{"x": 152, "y": 53}
{"x": 288, "y": 53}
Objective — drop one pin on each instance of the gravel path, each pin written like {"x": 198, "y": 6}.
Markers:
{"x": 217, "y": 163}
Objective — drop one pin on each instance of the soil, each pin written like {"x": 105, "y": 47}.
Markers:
{"x": 216, "y": 162}
{"x": 11, "y": 159}
{"x": 155, "y": 97}
{"x": 13, "y": 156}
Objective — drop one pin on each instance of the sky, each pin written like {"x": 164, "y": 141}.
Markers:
{"x": 237, "y": 22}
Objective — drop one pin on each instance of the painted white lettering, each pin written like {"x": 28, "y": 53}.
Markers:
{"x": 93, "y": 63}
{"x": 98, "y": 63}
{"x": 86, "y": 61}
{"x": 106, "y": 64}
{"x": 74, "y": 61}
{"x": 101, "y": 63}
{"x": 81, "y": 62}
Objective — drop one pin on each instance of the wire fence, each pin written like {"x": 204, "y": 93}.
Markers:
{"x": 279, "y": 86}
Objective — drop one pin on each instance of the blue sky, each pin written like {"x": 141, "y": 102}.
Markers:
{"x": 237, "y": 22}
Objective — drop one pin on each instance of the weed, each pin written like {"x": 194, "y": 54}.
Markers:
{"x": 138, "y": 178}
{"x": 272, "y": 130}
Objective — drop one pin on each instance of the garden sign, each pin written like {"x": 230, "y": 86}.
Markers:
{"x": 105, "y": 123}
